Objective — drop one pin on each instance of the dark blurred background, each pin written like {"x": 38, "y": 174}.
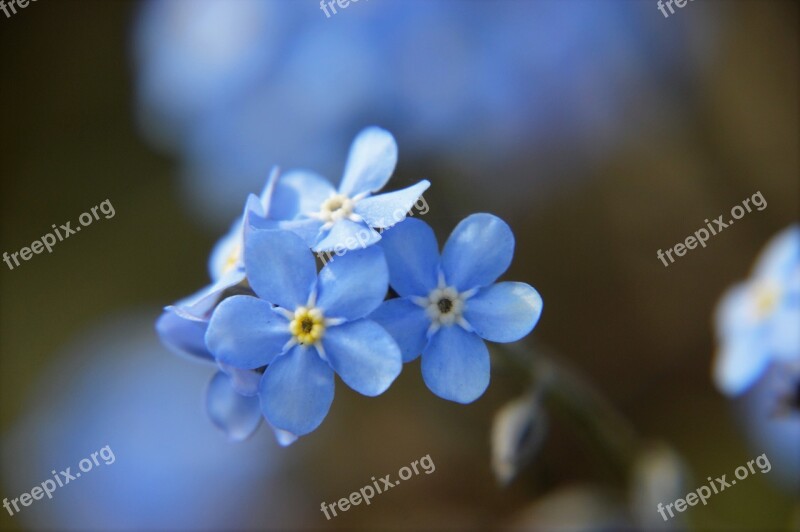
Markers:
{"x": 596, "y": 156}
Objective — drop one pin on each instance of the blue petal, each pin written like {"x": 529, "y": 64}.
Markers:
{"x": 283, "y": 437}
{"x": 739, "y": 364}
{"x": 299, "y": 193}
{"x": 236, "y": 415}
{"x": 784, "y": 333}
{"x": 733, "y": 314}
{"x": 306, "y": 228}
{"x": 199, "y": 305}
{"x": 246, "y": 333}
{"x": 413, "y": 257}
{"x": 182, "y": 335}
{"x": 297, "y": 391}
{"x": 253, "y": 207}
{"x": 347, "y": 235}
{"x": 364, "y": 355}
{"x": 243, "y": 381}
{"x": 373, "y": 156}
{"x": 227, "y": 252}
{"x": 268, "y": 193}
{"x": 407, "y": 323}
{"x": 386, "y": 210}
{"x": 478, "y": 251}
{"x": 353, "y": 285}
{"x": 504, "y": 312}
{"x": 455, "y": 365}
{"x": 280, "y": 268}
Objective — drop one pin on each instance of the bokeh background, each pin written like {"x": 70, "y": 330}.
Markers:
{"x": 600, "y": 130}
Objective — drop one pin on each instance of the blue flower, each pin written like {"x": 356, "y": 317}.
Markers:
{"x": 769, "y": 412}
{"x": 233, "y": 406}
{"x": 304, "y": 327}
{"x": 182, "y": 326}
{"x": 757, "y": 321}
{"x": 449, "y": 304}
{"x": 231, "y": 87}
{"x": 329, "y": 219}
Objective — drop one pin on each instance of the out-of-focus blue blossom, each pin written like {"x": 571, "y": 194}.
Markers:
{"x": 235, "y": 88}
{"x": 328, "y": 219}
{"x": 757, "y": 321}
{"x": 450, "y": 304}
{"x": 195, "y": 56}
{"x": 304, "y": 327}
{"x": 770, "y": 416}
{"x": 114, "y": 386}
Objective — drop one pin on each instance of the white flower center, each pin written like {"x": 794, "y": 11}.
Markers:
{"x": 445, "y": 306}
{"x": 337, "y": 207}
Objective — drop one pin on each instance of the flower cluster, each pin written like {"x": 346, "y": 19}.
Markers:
{"x": 757, "y": 321}
{"x": 279, "y": 330}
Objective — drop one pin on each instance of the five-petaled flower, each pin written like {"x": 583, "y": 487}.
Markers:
{"x": 450, "y": 305}
{"x": 304, "y": 327}
{"x": 347, "y": 218}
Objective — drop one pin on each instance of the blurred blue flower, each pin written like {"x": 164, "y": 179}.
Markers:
{"x": 114, "y": 386}
{"x": 770, "y": 415}
{"x": 328, "y": 219}
{"x": 757, "y": 321}
{"x": 316, "y": 327}
{"x": 450, "y": 305}
{"x": 233, "y": 87}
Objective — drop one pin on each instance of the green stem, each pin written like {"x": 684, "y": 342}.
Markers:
{"x": 591, "y": 414}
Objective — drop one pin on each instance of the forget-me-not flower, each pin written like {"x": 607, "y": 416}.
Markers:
{"x": 450, "y": 304}
{"x": 304, "y": 327}
{"x": 231, "y": 400}
{"x": 327, "y": 218}
{"x": 233, "y": 406}
{"x": 182, "y": 326}
{"x": 757, "y": 321}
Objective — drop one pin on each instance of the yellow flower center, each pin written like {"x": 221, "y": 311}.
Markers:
{"x": 308, "y": 325}
{"x": 766, "y": 298}
{"x": 233, "y": 259}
